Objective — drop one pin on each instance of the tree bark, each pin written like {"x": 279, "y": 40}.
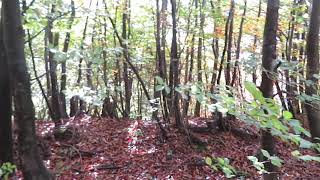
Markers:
{"x": 127, "y": 78}
{"x": 236, "y": 70}
{"x": 32, "y": 165}
{"x": 63, "y": 106}
{"x": 53, "y": 42}
{"x": 268, "y": 57}
{"x": 229, "y": 50}
{"x": 174, "y": 63}
{"x": 199, "y": 55}
{"x": 255, "y": 41}
{"x": 5, "y": 105}
{"x": 313, "y": 108}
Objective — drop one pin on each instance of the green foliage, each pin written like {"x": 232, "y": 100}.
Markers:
{"x": 267, "y": 114}
{"x": 275, "y": 160}
{"x": 258, "y": 165}
{"x": 6, "y": 169}
{"x": 221, "y": 164}
{"x": 161, "y": 85}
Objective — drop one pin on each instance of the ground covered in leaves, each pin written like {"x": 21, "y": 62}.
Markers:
{"x": 133, "y": 149}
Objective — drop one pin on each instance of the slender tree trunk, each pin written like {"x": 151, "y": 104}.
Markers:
{"x": 163, "y": 20}
{"x": 229, "y": 50}
{"x": 46, "y": 61}
{"x": 313, "y": 108}
{"x": 255, "y": 40}
{"x": 199, "y": 56}
{"x": 126, "y": 74}
{"x": 63, "y": 84}
{"x": 53, "y": 42}
{"x": 269, "y": 55}
{"x": 84, "y": 35}
{"x": 289, "y": 52}
{"x": 175, "y": 65}
{"x": 157, "y": 94}
{"x": 215, "y": 47}
{"x": 236, "y": 70}
{"x": 32, "y": 165}
{"x": 226, "y": 36}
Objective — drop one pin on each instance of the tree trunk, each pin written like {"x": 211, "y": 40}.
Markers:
{"x": 5, "y": 105}
{"x": 226, "y": 36}
{"x": 63, "y": 106}
{"x": 175, "y": 66}
{"x": 215, "y": 47}
{"x": 46, "y": 61}
{"x": 229, "y": 50}
{"x": 157, "y": 94}
{"x": 268, "y": 57}
{"x": 313, "y": 108}
{"x": 53, "y": 42}
{"x": 126, "y": 74}
{"x": 255, "y": 41}
{"x": 199, "y": 56}
{"x": 236, "y": 70}
{"x": 32, "y": 165}
{"x": 163, "y": 20}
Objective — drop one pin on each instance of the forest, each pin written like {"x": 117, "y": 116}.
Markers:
{"x": 159, "y": 89}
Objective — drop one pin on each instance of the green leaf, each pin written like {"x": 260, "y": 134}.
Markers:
{"x": 159, "y": 87}
{"x": 228, "y": 172}
{"x": 253, "y": 158}
{"x": 265, "y": 153}
{"x": 287, "y": 115}
{"x": 167, "y": 89}
{"x": 159, "y": 80}
{"x": 305, "y": 144}
{"x": 295, "y": 153}
{"x": 221, "y": 161}
{"x": 254, "y": 91}
{"x": 208, "y": 161}
{"x": 309, "y": 158}
{"x": 276, "y": 161}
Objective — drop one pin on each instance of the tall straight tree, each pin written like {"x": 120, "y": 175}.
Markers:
{"x": 63, "y": 84}
{"x": 174, "y": 66}
{"x": 5, "y": 105}
{"x": 313, "y": 108}
{"x": 269, "y": 56}
{"x": 200, "y": 54}
{"x": 163, "y": 20}
{"x": 229, "y": 49}
{"x": 32, "y": 165}
{"x": 127, "y": 77}
{"x": 53, "y": 42}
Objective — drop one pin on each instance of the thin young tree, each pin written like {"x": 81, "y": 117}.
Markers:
{"x": 127, "y": 77}
{"x": 63, "y": 83}
{"x": 53, "y": 39}
{"x": 200, "y": 52}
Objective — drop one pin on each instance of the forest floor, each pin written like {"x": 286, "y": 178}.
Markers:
{"x": 131, "y": 149}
